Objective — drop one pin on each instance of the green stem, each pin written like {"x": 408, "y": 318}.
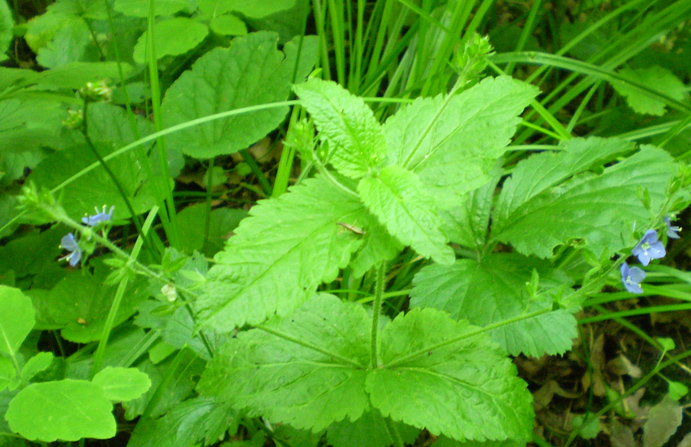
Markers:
{"x": 251, "y": 162}
{"x": 117, "y": 300}
{"x": 613, "y": 403}
{"x": 311, "y": 346}
{"x": 111, "y": 174}
{"x": 376, "y": 311}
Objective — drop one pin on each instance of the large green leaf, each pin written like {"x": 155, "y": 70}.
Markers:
{"x": 493, "y": 290}
{"x": 309, "y": 376}
{"x": 371, "y": 430}
{"x": 658, "y": 78}
{"x": 80, "y": 302}
{"x": 537, "y": 210}
{"x": 95, "y": 188}
{"x": 467, "y": 223}
{"x": 463, "y": 387}
{"x": 250, "y": 72}
{"x": 280, "y": 254}
{"x": 16, "y": 319}
{"x": 453, "y": 142}
{"x": 122, "y": 384}
{"x": 313, "y": 368}
{"x": 67, "y": 410}
{"x": 397, "y": 197}
{"x": 28, "y": 124}
{"x": 355, "y": 138}
{"x": 172, "y": 37}
{"x": 186, "y": 424}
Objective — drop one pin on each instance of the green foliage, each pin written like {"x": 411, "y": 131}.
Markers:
{"x": 397, "y": 197}
{"x": 188, "y": 423}
{"x": 660, "y": 79}
{"x": 6, "y": 24}
{"x": 376, "y": 297}
{"x": 16, "y": 319}
{"x": 67, "y": 410}
{"x": 280, "y": 254}
{"x": 452, "y": 142}
{"x": 597, "y": 208}
{"x": 251, "y": 72}
{"x": 80, "y": 302}
{"x": 317, "y": 360}
{"x": 494, "y": 290}
{"x": 121, "y": 384}
{"x": 347, "y": 125}
{"x": 171, "y": 38}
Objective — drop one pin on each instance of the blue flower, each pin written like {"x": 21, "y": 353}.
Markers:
{"x": 672, "y": 230}
{"x": 98, "y": 217}
{"x": 632, "y": 278}
{"x": 69, "y": 243}
{"x": 649, "y": 248}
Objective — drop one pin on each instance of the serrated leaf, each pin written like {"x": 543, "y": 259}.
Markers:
{"x": 494, "y": 290}
{"x": 67, "y": 410}
{"x": 16, "y": 319}
{"x": 397, "y": 197}
{"x": 280, "y": 254}
{"x": 370, "y": 430}
{"x": 601, "y": 208}
{"x": 309, "y": 377}
{"x": 354, "y": 135}
{"x": 443, "y": 441}
{"x": 36, "y": 364}
{"x": 172, "y": 37}
{"x": 187, "y": 424}
{"x": 377, "y": 246}
{"x": 464, "y": 389}
{"x": 122, "y": 384}
{"x": 663, "y": 421}
{"x": 453, "y": 142}
{"x": 468, "y": 223}
{"x": 250, "y": 72}
{"x": 657, "y": 78}
{"x": 69, "y": 43}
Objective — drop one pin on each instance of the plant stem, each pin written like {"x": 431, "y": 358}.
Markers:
{"x": 247, "y": 157}
{"x": 378, "y": 298}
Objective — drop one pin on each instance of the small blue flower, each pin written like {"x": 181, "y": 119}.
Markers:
{"x": 672, "y": 230}
{"x": 632, "y": 277}
{"x": 649, "y": 248}
{"x": 98, "y": 217}
{"x": 69, "y": 243}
